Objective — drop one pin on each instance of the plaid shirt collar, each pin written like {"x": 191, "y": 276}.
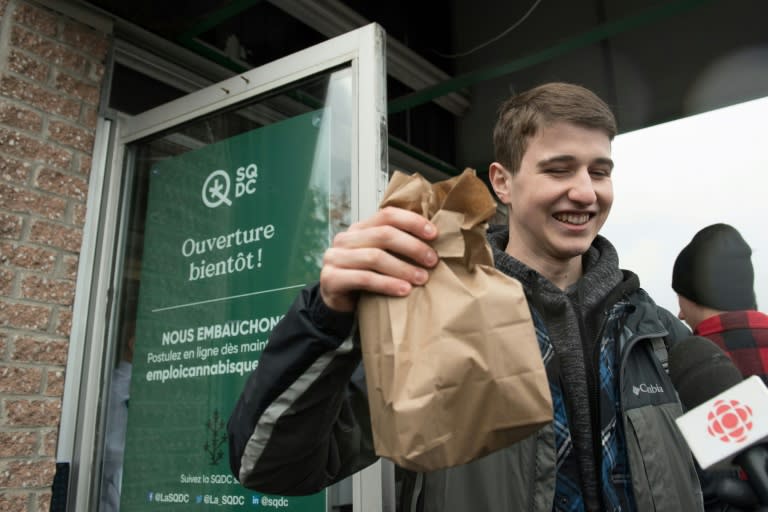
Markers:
{"x": 730, "y": 320}
{"x": 743, "y": 335}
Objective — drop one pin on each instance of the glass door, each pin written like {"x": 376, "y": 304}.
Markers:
{"x": 230, "y": 195}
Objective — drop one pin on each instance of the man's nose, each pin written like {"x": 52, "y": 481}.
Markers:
{"x": 582, "y": 189}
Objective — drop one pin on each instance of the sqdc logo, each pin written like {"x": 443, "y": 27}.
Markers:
{"x": 217, "y": 187}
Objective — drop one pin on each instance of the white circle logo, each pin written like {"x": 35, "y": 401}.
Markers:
{"x": 216, "y": 189}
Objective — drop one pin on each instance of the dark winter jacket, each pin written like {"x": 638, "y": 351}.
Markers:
{"x": 302, "y": 420}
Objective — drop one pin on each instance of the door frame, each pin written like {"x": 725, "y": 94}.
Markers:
{"x": 364, "y": 50}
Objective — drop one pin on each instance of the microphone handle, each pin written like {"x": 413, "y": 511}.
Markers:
{"x": 754, "y": 462}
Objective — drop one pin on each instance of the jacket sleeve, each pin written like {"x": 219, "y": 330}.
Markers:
{"x": 301, "y": 422}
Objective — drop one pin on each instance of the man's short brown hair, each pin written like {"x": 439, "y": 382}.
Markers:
{"x": 523, "y": 115}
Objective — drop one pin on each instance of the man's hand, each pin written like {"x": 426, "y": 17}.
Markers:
{"x": 384, "y": 254}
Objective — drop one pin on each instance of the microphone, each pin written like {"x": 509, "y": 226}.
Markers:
{"x": 699, "y": 369}
{"x": 728, "y": 415}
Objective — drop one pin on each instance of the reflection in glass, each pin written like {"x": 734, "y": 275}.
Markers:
{"x": 321, "y": 206}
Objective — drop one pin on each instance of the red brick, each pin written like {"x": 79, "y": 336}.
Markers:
{"x": 85, "y": 164}
{"x": 50, "y": 51}
{"x": 28, "y": 67}
{"x": 23, "y": 474}
{"x": 14, "y": 170}
{"x": 72, "y": 136}
{"x": 32, "y": 413}
{"x": 62, "y": 184}
{"x": 6, "y": 282}
{"x": 64, "y": 323}
{"x": 17, "y": 144}
{"x": 96, "y": 72}
{"x": 21, "y": 118}
{"x": 16, "y": 380}
{"x": 49, "y": 442}
{"x": 54, "y": 383}
{"x": 13, "y": 502}
{"x": 89, "y": 117}
{"x": 3, "y": 345}
{"x": 77, "y": 88}
{"x": 32, "y": 350}
{"x": 56, "y": 235}
{"x": 10, "y": 226}
{"x": 78, "y": 215}
{"x": 36, "y": 96}
{"x": 44, "y": 501}
{"x": 28, "y": 148}
{"x": 70, "y": 59}
{"x": 37, "y": 19}
{"x": 26, "y": 201}
{"x": 81, "y": 36}
{"x": 24, "y": 316}
{"x": 30, "y": 258}
{"x": 42, "y": 289}
{"x": 32, "y": 42}
{"x": 56, "y": 156}
{"x": 3, "y": 4}
{"x": 69, "y": 267}
{"x": 17, "y": 444}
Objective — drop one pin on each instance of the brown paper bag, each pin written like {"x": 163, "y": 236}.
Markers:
{"x": 453, "y": 370}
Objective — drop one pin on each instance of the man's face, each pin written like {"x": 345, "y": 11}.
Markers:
{"x": 560, "y": 197}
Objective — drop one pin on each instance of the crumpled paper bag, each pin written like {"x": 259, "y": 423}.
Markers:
{"x": 453, "y": 370}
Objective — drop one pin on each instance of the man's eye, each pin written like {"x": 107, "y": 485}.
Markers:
{"x": 600, "y": 173}
{"x": 557, "y": 171}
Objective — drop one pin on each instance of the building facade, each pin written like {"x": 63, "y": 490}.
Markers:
{"x": 53, "y": 70}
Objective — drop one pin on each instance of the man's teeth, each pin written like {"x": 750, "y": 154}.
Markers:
{"x": 573, "y": 218}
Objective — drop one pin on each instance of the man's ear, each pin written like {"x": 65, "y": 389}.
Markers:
{"x": 501, "y": 181}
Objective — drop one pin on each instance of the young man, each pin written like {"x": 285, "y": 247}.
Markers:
{"x": 714, "y": 281}
{"x": 302, "y": 420}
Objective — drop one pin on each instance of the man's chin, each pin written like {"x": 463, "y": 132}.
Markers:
{"x": 572, "y": 250}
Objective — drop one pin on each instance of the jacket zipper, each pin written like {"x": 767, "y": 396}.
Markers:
{"x": 417, "y": 488}
{"x": 594, "y": 397}
{"x": 534, "y": 449}
{"x": 595, "y": 388}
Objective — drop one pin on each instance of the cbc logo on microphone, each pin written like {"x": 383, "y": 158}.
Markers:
{"x": 730, "y": 421}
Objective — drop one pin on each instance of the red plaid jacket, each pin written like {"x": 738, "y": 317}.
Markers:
{"x": 744, "y": 336}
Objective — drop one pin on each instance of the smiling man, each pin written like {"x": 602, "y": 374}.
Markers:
{"x": 600, "y": 337}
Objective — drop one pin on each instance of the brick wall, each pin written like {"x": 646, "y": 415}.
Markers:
{"x": 51, "y": 70}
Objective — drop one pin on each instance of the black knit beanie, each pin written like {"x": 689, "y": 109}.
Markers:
{"x": 715, "y": 270}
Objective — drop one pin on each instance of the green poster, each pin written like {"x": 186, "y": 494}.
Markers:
{"x": 233, "y": 231}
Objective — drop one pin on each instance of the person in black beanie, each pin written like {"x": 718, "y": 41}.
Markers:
{"x": 715, "y": 270}
{"x": 714, "y": 281}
